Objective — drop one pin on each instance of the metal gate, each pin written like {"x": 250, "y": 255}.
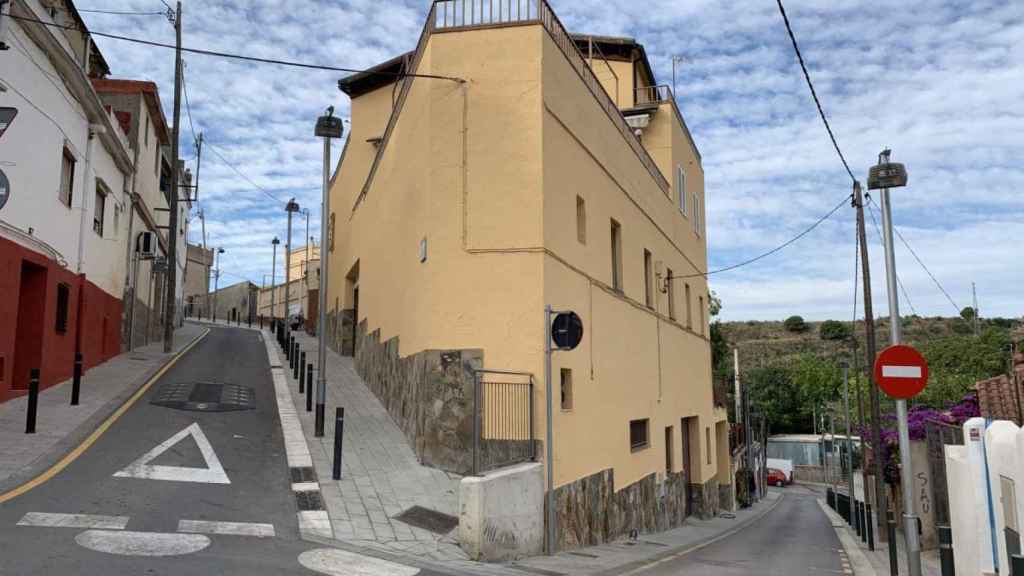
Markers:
{"x": 503, "y": 419}
{"x": 938, "y": 435}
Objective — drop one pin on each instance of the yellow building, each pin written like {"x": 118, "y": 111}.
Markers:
{"x": 522, "y": 167}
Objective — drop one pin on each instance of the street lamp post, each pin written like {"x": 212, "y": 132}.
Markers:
{"x": 273, "y": 280}
{"x": 216, "y": 282}
{"x": 328, "y": 126}
{"x": 291, "y": 208}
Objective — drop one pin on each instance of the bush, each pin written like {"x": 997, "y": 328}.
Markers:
{"x": 795, "y": 324}
{"x": 834, "y": 330}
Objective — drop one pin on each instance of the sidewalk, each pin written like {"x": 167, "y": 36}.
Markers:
{"x": 59, "y": 426}
{"x": 381, "y": 478}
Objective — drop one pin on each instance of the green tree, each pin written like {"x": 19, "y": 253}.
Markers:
{"x": 957, "y": 362}
{"x": 834, "y": 330}
{"x": 795, "y": 324}
{"x": 967, "y": 313}
{"x": 774, "y": 395}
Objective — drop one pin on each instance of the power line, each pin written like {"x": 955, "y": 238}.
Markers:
{"x": 814, "y": 93}
{"x": 239, "y": 56}
{"x": 121, "y": 12}
{"x": 240, "y": 174}
{"x": 805, "y": 232}
{"x": 919, "y": 261}
{"x": 899, "y": 280}
{"x": 188, "y": 108}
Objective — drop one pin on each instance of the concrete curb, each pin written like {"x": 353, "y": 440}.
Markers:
{"x": 58, "y": 451}
{"x": 858, "y": 561}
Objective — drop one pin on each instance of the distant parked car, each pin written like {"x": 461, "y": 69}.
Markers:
{"x": 776, "y": 477}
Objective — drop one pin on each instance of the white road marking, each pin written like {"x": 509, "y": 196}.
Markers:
{"x": 56, "y": 520}
{"x": 226, "y": 528}
{"x": 341, "y": 563}
{"x": 901, "y": 371}
{"x": 142, "y": 543}
{"x": 212, "y": 474}
{"x": 315, "y": 523}
{"x": 305, "y": 486}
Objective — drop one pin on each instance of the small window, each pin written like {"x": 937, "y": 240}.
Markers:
{"x": 616, "y": 256}
{"x": 648, "y": 281}
{"x": 67, "y": 177}
{"x": 681, "y": 188}
{"x": 63, "y": 298}
{"x": 707, "y": 442}
{"x": 581, "y": 220}
{"x": 696, "y": 214}
{"x": 668, "y": 450}
{"x": 689, "y": 309}
{"x": 100, "y": 207}
{"x": 671, "y": 295}
{"x": 700, "y": 308}
{"x": 638, "y": 436}
{"x": 566, "y": 389}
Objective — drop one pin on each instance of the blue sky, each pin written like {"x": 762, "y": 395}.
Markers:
{"x": 940, "y": 83}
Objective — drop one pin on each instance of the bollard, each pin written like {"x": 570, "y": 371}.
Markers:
{"x": 863, "y": 522}
{"x": 309, "y": 378}
{"x": 288, "y": 352}
{"x": 1016, "y": 565}
{"x": 870, "y": 521}
{"x": 890, "y": 523}
{"x": 309, "y": 397}
{"x": 33, "y": 401}
{"x": 339, "y": 433}
{"x": 297, "y": 367}
{"x": 946, "y": 551}
{"x": 302, "y": 373}
{"x": 856, "y": 516}
{"x": 76, "y": 382}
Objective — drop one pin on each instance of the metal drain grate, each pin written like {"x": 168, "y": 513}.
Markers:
{"x": 302, "y": 474}
{"x": 205, "y": 397}
{"x": 310, "y": 500}
{"x": 432, "y": 520}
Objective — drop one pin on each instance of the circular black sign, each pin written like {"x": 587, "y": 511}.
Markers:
{"x": 567, "y": 330}
{"x": 5, "y": 189}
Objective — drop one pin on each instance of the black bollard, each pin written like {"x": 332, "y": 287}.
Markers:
{"x": 309, "y": 377}
{"x": 339, "y": 434}
{"x": 76, "y": 381}
{"x": 946, "y": 552}
{"x": 288, "y": 353}
{"x": 890, "y": 523}
{"x": 1016, "y": 565}
{"x": 863, "y": 522}
{"x": 856, "y": 516}
{"x": 298, "y": 374}
{"x": 309, "y": 398}
{"x": 870, "y": 521}
{"x": 33, "y": 401}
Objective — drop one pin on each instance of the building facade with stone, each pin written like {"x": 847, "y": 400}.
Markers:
{"x": 534, "y": 167}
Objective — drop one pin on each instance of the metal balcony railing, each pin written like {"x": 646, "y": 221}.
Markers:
{"x": 653, "y": 94}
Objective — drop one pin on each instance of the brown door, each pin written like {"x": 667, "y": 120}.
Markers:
{"x": 355, "y": 319}
{"x": 684, "y": 430}
{"x": 28, "y": 343}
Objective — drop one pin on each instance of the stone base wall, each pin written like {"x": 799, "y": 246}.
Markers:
{"x": 145, "y": 318}
{"x": 346, "y": 339}
{"x": 726, "y": 498}
{"x": 428, "y": 394}
{"x": 591, "y": 512}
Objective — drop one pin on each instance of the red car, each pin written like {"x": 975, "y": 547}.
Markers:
{"x": 776, "y": 477}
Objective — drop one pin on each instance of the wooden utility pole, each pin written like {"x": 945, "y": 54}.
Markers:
{"x": 869, "y": 328}
{"x": 172, "y": 224}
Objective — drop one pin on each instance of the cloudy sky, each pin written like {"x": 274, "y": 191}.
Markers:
{"x": 940, "y": 83}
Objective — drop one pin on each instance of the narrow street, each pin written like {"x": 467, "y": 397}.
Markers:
{"x": 172, "y": 491}
{"x": 794, "y": 539}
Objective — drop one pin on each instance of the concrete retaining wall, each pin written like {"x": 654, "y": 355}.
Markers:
{"x": 501, "y": 514}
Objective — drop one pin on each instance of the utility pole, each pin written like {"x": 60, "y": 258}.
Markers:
{"x": 736, "y": 385}
{"x": 199, "y": 159}
{"x": 869, "y": 334}
{"x": 974, "y": 294}
{"x": 305, "y": 275}
{"x": 273, "y": 278}
{"x": 849, "y": 440}
{"x": 895, "y": 335}
{"x": 327, "y": 127}
{"x": 675, "y": 60}
{"x": 172, "y": 225}
{"x": 216, "y": 282}
{"x": 291, "y": 208}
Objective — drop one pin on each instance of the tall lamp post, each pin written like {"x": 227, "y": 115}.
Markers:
{"x": 291, "y": 208}
{"x": 305, "y": 279}
{"x": 273, "y": 280}
{"x": 328, "y": 126}
{"x": 216, "y": 282}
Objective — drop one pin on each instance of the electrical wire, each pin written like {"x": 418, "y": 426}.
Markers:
{"x": 778, "y": 248}
{"x": 188, "y": 109}
{"x": 918, "y": 258}
{"x": 239, "y": 56}
{"x": 899, "y": 281}
{"x": 240, "y": 174}
{"x": 120, "y": 12}
{"x": 814, "y": 93}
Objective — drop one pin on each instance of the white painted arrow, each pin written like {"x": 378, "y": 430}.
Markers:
{"x": 212, "y": 474}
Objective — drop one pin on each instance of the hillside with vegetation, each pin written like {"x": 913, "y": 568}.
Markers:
{"x": 793, "y": 368}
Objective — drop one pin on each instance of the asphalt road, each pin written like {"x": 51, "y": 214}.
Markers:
{"x": 794, "y": 539}
{"x": 122, "y": 524}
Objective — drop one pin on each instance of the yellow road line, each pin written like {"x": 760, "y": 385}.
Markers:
{"x": 92, "y": 438}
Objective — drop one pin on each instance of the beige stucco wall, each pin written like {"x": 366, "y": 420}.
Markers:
{"x": 488, "y": 172}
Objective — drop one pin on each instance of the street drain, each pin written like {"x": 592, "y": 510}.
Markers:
{"x": 302, "y": 474}
{"x": 432, "y": 520}
{"x": 310, "y": 500}
{"x": 205, "y": 397}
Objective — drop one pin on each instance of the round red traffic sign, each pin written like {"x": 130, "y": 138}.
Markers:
{"x": 901, "y": 372}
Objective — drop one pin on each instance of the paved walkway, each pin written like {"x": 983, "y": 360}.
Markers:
{"x": 60, "y": 426}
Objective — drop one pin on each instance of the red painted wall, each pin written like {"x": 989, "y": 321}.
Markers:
{"x": 99, "y": 313}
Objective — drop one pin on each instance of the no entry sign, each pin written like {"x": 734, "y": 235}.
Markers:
{"x": 901, "y": 372}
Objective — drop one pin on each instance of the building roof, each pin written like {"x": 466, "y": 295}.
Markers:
{"x": 96, "y": 58}
{"x": 150, "y": 93}
{"x": 374, "y": 77}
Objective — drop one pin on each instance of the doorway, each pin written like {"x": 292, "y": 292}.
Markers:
{"x": 687, "y": 464}
{"x": 28, "y": 346}
{"x": 355, "y": 319}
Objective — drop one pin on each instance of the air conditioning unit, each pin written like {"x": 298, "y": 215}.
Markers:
{"x": 145, "y": 245}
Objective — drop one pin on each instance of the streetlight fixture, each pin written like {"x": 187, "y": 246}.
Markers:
{"x": 291, "y": 208}
{"x": 328, "y": 126}
{"x": 273, "y": 280}
{"x": 216, "y": 282}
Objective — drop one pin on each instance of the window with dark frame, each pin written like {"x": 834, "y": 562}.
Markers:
{"x": 689, "y": 309}
{"x": 616, "y": 256}
{"x": 581, "y": 220}
{"x": 67, "y": 177}
{"x": 99, "y": 208}
{"x": 648, "y": 280}
{"x": 63, "y": 300}
{"x": 707, "y": 442}
{"x": 638, "y": 434}
{"x": 668, "y": 449}
{"x": 566, "y": 374}
{"x": 671, "y": 295}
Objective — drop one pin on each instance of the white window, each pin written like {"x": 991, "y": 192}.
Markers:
{"x": 696, "y": 214}
{"x": 67, "y": 177}
{"x": 681, "y": 188}
{"x": 100, "y": 208}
